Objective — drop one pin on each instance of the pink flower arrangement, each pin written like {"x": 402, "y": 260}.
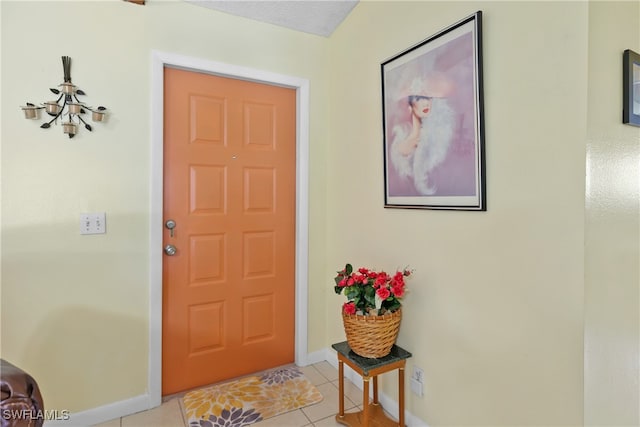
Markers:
{"x": 370, "y": 292}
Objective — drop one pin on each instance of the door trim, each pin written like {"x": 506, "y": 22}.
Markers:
{"x": 159, "y": 60}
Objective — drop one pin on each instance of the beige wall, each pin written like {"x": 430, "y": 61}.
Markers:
{"x": 496, "y": 310}
{"x": 501, "y": 299}
{"x": 612, "y": 229}
{"x": 494, "y": 315}
{"x": 75, "y": 308}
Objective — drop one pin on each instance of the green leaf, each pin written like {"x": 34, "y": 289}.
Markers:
{"x": 348, "y": 269}
{"x": 370, "y": 292}
{"x": 338, "y": 289}
{"x": 56, "y": 91}
{"x": 391, "y": 304}
{"x": 370, "y": 296}
{"x": 45, "y": 125}
{"x": 80, "y": 92}
{"x": 352, "y": 291}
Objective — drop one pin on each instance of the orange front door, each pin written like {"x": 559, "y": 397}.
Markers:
{"x": 229, "y": 185}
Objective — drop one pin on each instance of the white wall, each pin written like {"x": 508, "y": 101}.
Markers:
{"x": 527, "y": 314}
{"x": 612, "y": 229}
{"x": 494, "y": 314}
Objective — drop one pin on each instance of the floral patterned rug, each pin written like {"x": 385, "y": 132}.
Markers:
{"x": 251, "y": 399}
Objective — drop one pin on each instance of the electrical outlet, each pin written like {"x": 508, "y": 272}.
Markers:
{"x": 418, "y": 375}
{"x": 416, "y": 387}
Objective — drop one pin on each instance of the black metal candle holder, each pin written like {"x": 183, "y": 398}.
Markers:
{"x": 67, "y": 105}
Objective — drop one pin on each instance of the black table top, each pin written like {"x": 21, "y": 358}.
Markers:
{"x": 367, "y": 364}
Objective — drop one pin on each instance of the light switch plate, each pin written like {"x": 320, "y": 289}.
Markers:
{"x": 93, "y": 223}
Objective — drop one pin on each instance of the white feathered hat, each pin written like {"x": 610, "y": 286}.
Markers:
{"x": 434, "y": 85}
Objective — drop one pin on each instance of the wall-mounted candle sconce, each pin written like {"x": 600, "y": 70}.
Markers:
{"x": 67, "y": 107}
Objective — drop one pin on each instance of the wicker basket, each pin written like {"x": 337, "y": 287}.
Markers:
{"x": 372, "y": 336}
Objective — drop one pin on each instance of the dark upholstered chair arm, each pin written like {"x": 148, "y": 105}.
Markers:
{"x": 20, "y": 399}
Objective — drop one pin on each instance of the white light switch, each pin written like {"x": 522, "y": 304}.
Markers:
{"x": 93, "y": 223}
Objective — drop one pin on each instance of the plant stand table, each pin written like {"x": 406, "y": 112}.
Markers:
{"x": 372, "y": 414}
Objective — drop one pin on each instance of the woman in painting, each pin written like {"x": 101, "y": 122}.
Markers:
{"x": 421, "y": 144}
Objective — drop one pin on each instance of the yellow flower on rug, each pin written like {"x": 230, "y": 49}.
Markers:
{"x": 251, "y": 399}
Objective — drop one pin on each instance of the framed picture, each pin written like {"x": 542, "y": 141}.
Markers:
{"x": 433, "y": 126}
{"x": 631, "y": 88}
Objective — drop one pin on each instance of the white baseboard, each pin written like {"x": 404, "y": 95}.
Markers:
{"x": 317, "y": 356}
{"x": 104, "y": 413}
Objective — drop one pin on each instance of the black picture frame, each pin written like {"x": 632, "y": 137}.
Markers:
{"x": 433, "y": 122}
{"x": 631, "y": 88}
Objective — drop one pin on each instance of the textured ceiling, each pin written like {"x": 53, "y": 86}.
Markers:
{"x": 320, "y": 17}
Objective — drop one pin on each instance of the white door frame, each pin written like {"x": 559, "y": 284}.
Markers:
{"x": 158, "y": 61}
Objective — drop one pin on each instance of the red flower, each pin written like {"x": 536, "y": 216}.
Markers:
{"x": 380, "y": 280}
{"x": 398, "y": 291}
{"x": 360, "y": 285}
{"x": 383, "y": 292}
{"x": 360, "y": 278}
{"x": 349, "y": 308}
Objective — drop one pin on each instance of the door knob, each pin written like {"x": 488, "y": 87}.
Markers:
{"x": 170, "y": 250}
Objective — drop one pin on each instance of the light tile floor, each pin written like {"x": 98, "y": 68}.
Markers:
{"x": 323, "y": 375}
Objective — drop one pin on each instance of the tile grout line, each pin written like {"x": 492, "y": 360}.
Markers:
{"x": 307, "y": 417}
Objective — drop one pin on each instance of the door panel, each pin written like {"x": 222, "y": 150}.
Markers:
{"x": 229, "y": 183}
